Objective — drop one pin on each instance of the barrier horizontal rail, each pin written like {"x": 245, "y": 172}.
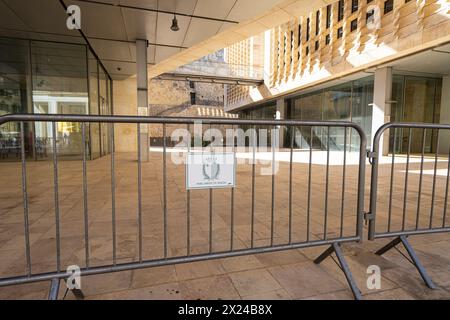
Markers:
{"x": 333, "y": 241}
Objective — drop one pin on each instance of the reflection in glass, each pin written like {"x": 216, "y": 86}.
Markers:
{"x": 59, "y": 87}
{"x": 49, "y": 77}
{"x": 94, "y": 128}
{"x": 14, "y": 90}
{"x": 417, "y": 99}
{"x": 347, "y": 102}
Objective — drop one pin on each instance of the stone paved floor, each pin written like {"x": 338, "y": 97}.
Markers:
{"x": 281, "y": 275}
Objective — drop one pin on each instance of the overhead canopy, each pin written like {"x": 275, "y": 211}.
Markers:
{"x": 112, "y": 26}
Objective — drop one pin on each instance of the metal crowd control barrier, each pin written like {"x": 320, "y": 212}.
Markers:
{"x": 334, "y": 241}
{"x": 408, "y": 227}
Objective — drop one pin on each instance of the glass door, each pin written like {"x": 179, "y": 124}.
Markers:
{"x": 417, "y": 100}
{"x": 69, "y": 133}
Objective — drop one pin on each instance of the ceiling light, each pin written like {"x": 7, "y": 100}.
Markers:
{"x": 174, "y": 26}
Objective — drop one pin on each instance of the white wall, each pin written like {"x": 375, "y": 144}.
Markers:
{"x": 381, "y": 103}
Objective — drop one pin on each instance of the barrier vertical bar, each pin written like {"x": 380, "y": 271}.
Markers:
{"x": 139, "y": 167}
{"x": 188, "y": 202}
{"x": 25, "y": 199}
{"x": 341, "y": 232}
{"x": 232, "y": 198}
{"x": 210, "y": 208}
{"x": 165, "y": 189}
{"x": 308, "y": 218}
{"x": 56, "y": 198}
{"x": 325, "y": 220}
{"x": 253, "y": 188}
{"x": 85, "y": 195}
{"x": 405, "y": 196}
{"x": 113, "y": 195}
{"x": 433, "y": 192}
{"x": 290, "y": 182}
{"x": 392, "y": 181}
{"x": 272, "y": 207}
{"x": 420, "y": 177}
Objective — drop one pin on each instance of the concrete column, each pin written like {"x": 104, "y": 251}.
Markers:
{"x": 142, "y": 94}
{"x": 445, "y": 116}
{"x": 280, "y": 115}
{"x": 381, "y": 108}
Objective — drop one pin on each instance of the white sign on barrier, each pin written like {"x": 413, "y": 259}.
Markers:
{"x": 210, "y": 170}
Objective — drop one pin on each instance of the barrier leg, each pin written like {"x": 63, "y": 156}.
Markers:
{"x": 389, "y": 246}
{"x": 335, "y": 247}
{"x": 412, "y": 254}
{"x": 78, "y": 294}
{"x": 54, "y": 289}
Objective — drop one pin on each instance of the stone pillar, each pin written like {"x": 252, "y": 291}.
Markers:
{"x": 444, "y": 138}
{"x": 381, "y": 108}
{"x": 142, "y": 94}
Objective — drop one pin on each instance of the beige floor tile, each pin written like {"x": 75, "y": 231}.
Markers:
{"x": 168, "y": 291}
{"x": 198, "y": 269}
{"x": 212, "y": 288}
{"x": 254, "y": 282}
{"x": 241, "y": 263}
{"x": 304, "y": 279}
{"x": 394, "y": 294}
{"x": 280, "y": 294}
{"x": 153, "y": 276}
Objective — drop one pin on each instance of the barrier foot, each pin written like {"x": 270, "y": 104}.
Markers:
{"x": 54, "y": 289}
{"x": 414, "y": 258}
{"x": 78, "y": 294}
{"x": 342, "y": 263}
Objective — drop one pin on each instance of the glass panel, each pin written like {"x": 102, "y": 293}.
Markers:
{"x": 337, "y": 106}
{"x": 419, "y": 107}
{"x": 48, "y": 77}
{"x": 94, "y": 132}
{"x": 417, "y": 100}
{"x": 14, "y": 95}
{"x": 362, "y": 99}
{"x": 396, "y": 112}
{"x": 104, "y": 110}
{"x": 269, "y": 113}
{"x": 309, "y": 107}
{"x": 59, "y": 86}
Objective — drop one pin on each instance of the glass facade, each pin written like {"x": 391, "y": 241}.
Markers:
{"x": 416, "y": 99}
{"x": 56, "y": 78}
{"x": 350, "y": 101}
{"x": 265, "y": 111}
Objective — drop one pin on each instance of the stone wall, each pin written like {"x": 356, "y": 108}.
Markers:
{"x": 166, "y": 98}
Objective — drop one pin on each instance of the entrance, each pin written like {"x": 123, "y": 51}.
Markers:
{"x": 417, "y": 99}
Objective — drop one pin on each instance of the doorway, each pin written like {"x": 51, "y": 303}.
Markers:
{"x": 416, "y": 99}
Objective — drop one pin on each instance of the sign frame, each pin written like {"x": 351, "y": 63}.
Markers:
{"x": 206, "y": 187}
